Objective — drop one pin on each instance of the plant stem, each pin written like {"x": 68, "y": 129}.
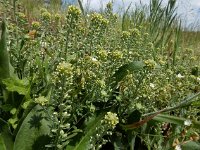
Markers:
{"x": 186, "y": 102}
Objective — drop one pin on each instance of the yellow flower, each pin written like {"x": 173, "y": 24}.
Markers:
{"x": 111, "y": 119}
{"x": 98, "y": 20}
{"x": 41, "y": 100}
{"x": 151, "y": 64}
{"x": 125, "y": 35}
{"x": 57, "y": 17}
{"x": 21, "y": 15}
{"x": 74, "y": 11}
{"x": 35, "y": 24}
{"x": 64, "y": 68}
{"x": 117, "y": 54}
{"x": 103, "y": 54}
{"x": 46, "y": 16}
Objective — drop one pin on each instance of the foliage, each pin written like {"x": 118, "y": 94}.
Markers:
{"x": 97, "y": 80}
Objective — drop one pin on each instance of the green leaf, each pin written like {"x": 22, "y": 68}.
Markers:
{"x": 191, "y": 145}
{"x": 134, "y": 117}
{"x": 196, "y": 103}
{"x": 6, "y": 142}
{"x": 6, "y": 107}
{"x": 140, "y": 123}
{"x": 4, "y": 57}
{"x": 89, "y": 131}
{"x": 13, "y": 111}
{"x": 125, "y": 69}
{"x": 175, "y": 120}
{"x": 2, "y": 144}
{"x": 169, "y": 119}
{"x": 33, "y": 127}
{"x": 17, "y": 85}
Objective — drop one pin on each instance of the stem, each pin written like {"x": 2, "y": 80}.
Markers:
{"x": 60, "y": 114}
{"x": 186, "y": 102}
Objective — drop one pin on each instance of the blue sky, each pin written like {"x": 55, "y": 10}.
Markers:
{"x": 189, "y": 10}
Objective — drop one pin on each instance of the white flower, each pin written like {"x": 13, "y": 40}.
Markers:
{"x": 187, "y": 122}
{"x": 44, "y": 44}
{"x": 178, "y": 147}
{"x": 180, "y": 76}
{"x": 152, "y": 85}
{"x": 94, "y": 59}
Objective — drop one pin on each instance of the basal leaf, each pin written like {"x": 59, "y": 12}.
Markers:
{"x": 6, "y": 142}
{"x": 2, "y": 144}
{"x": 17, "y": 85}
{"x": 33, "y": 127}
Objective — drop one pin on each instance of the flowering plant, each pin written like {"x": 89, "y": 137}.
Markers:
{"x": 81, "y": 82}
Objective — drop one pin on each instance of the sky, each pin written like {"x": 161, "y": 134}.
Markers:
{"x": 188, "y": 10}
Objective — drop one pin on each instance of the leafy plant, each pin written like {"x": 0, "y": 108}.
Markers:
{"x": 88, "y": 80}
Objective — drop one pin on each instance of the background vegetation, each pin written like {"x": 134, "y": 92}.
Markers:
{"x": 78, "y": 79}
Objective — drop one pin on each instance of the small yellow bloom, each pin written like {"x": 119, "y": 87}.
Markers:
{"x": 64, "y": 68}
{"x": 111, "y": 119}
{"x": 46, "y": 16}
{"x": 41, "y": 100}
{"x": 117, "y": 54}
{"x": 151, "y": 64}
{"x": 35, "y": 24}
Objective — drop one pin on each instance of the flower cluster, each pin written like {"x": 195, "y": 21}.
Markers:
{"x": 151, "y": 64}
{"x": 111, "y": 119}
{"x": 83, "y": 65}
{"x": 21, "y": 15}
{"x": 46, "y": 16}
{"x": 57, "y": 17}
{"x": 64, "y": 68}
{"x": 74, "y": 11}
{"x": 35, "y": 25}
{"x": 73, "y": 14}
{"x": 125, "y": 35}
{"x": 98, "y": 21}
{"x": 102, "y": 54}
{"x": 41, "y": 100}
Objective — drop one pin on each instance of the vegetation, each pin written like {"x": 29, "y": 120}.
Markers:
{"x": 87, "y": 80}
